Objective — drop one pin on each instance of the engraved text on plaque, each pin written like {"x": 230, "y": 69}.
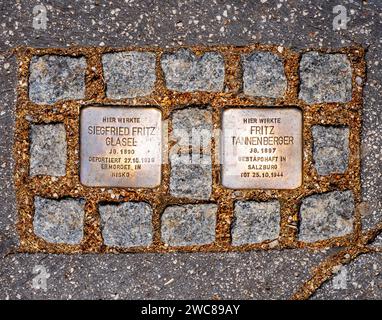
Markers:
{"x": 262, "y": 148}
{"x": 120, "y": 146}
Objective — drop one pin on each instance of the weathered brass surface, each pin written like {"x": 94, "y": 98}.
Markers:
{"x": 120, "y": 147}
{"x": 262, "y": 148}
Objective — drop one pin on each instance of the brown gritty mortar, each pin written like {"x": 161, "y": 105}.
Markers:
{"x": 159, "y": 198}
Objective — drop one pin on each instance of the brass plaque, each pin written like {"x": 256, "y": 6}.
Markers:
{"x": 120, "y": 146}
{"x": 262, "y": 148}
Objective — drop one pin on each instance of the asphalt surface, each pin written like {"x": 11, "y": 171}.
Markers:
{"x": 253, "y": 275}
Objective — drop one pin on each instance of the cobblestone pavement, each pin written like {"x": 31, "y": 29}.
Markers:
{"x": 352, "y": 273}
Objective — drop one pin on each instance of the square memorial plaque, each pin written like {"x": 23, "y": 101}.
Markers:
{"x": 120, "y": 146}
{"x": 262, "y": 148}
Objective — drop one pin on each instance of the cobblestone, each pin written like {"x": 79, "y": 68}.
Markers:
{"x": 192, "y": 224}
{"x": 255, "y": 222}
{"x": 187, "y": 73}
{"x": 129, "y": 74}
{"x": 126, "y": 224}
{"x": 326, "y": 215}
{"x": 191, "y": 176}
{"x": 192, "y": 128}
{"x": 53, "y": 78}
{"x": 264, "y": 75}
{"x": 59, "y": 221}
{"x": 48, "y": 149}
{"x": 325, "y": 78}
{"x": 330, "y": 149}
{"x": 190, "y": 157}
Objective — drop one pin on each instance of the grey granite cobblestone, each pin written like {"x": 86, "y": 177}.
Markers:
{"x": 325, "y": 78}
{"x": 192, "y": 224}
{"x": 48, "y": 150}
{"x": 186, "y": 72}
{"x": 59, "y": 221}
{"x": 326, "y": 215}
{"x": 330, "y": 149}
{"x": 129, "y": 74}
{"x": 255, "y": 222}
{"x": 263, "y": 75}
{"x": 191, "y": 176}
{"x": 126, "y": 224}
{"x": 53, "y": 78}
{"x": 190, "y": 157}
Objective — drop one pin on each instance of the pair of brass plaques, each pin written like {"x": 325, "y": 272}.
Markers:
{"x": 260, "y": 148}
